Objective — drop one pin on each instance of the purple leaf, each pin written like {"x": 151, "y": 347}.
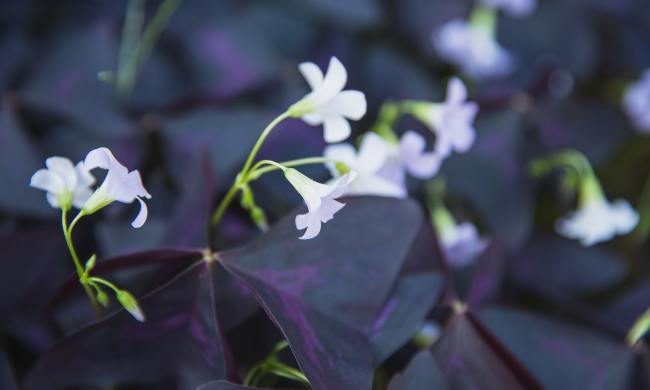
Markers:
{"x": 422, "y": 373}
{"x": 560, "y": 355}
{"x": 471, "y": 357}
{"x": 321, "y": 293}
{"x": 403, "y": 313}
{"x": 180, "y": 343}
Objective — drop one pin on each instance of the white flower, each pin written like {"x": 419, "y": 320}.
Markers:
{"x": 636, "y": 102}
{"x": 409, "y": 156}
{"x": 598, "y": 220}
{"x": 65, "y": 183}
{"x": 327, "y": 103}
{"x": 462, "y": 244}
{"x": 515, "y": 8}
{"x": 473, "y": 49}
{"x": 453, "y": 120}
{"x": 119, "y": 185}
{"x": 320, "y": 200}
{"x": 367, "y": 163}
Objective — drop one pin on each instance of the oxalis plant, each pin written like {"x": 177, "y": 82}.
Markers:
{"x": 382, "y": 278}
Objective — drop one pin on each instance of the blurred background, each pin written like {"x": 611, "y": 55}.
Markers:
{"x": 222, "y": 69}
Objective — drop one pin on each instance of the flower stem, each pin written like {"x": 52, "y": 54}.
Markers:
{"x": 640, "y": 328}
{"x": 242, "y": 177}
{"x": 259, "y": 169}
{"x": 260, "y": 141}
{"x": 67, "y": 233}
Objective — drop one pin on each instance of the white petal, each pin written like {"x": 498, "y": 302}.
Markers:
{"x": 344, "y": 153}
{"x": 418, "y": 163}
{"x": 310, "y": 191}
{"x": 339, "y": 186}
{"x": 103, "y": 158}
{"x": 375, "y": 185}
{"x": 52, "y": 200}
{"x": 84, "y": 177}
{"x": 456, "y": 91}
{"x": 311, "y": 222}
{"x": 48, "y": 181}
{"x": 63, "y": 168}
{"x": 373, "y": 153}
{"x": 141, "y": 218}
{"x": 333, "y": 83}
{"x": 80, "y": 197}
{"x": 350, "y": 104}
{"x": 313, "y": 119}
{"x": 312, "y": 74}
{"x": 336, "y": 129}
{"x": 624, "y": 216}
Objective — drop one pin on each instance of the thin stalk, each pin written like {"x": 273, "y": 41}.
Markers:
{"x": 242, "y": 178}
{"x": 67, "y": 233}
{"x": 133, "y": 22}
{"x": 259, "y": 169}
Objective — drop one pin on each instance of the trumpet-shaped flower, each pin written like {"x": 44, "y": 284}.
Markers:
{"x": 319, "y": 198}
{"x": 328, "y": 104}
{"x": 453, "y": 121}
{"x": 462, "y": 244}
{"x": 598, "y": 220}
{"x": 636, "y": 102}
{"x": 472, "y": 48}
{"x": 119, "y": 185}
{"x": 66, "y": 184}
{"x": 514, "y": 8}
{"x": 372, "y": 156}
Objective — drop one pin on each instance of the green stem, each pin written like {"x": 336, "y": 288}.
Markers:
{"x": 260, "y": 141}
{"x": 242, "y": 178}
{"x": 639, "y": 329}
{"x": 67, "y": 233}
{"x": 133, "y": 22}
{"x": 259, "y": 169}
{"x": 485, "y": 18}
{"x": 145, "y": 44}
{"x": 105, "y": 283}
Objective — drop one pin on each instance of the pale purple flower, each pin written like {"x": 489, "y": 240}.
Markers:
{"x": 409, "y": 156}
{"x": 514, "y": 8}
{"x": 473, "y": 49}
{"x": 367, "y": 162}
{"x": 598, "y": 220}
{"x": 636, "y": 102}
{"x": 320, "y": 200}
{"x": 462, "y": 244}
{"x": 328, "y": 104}
{"x": 119, "y": 185}
{"x": 66, "y": 184}
{"x": 453, "y": 120}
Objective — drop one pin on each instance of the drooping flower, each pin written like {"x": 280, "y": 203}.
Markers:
{"x": 320, "y": 200}
{"x": 472, "y": 48}
{"x": 514, "y": 8}
{"x": 328, "y": 104}
{"x": 598, "y": 220}
{"x": 460, "y": 242}
{"x": 453, "y": 120}
{"x": 66, "y": 184}
{"x": 119, "y": 185}
{"x": 373, "y": 153}
{"x": 636, "y": 102}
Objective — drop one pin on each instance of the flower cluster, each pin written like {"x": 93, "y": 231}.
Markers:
{"x": 68, "y": 185}
{"x": 382, "y": 164}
